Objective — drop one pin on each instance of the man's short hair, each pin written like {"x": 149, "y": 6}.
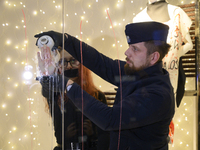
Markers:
{"x": 159, "y": 46}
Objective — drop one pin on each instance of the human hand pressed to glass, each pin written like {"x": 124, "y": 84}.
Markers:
{"x": 87, "y": 127}
{"x": 46, "y": 61}
{"x": 71, "y": 130}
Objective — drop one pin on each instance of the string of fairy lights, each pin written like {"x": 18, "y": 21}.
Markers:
{"x": 26, "y": 136}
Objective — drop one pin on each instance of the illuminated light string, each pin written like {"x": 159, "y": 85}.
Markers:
{"x": 28, "y": 85}
{"x": 81, "y": 82}
{"x": 119, "y": 79}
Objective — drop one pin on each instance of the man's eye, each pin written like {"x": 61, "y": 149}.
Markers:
{"x": 135, "y": 49}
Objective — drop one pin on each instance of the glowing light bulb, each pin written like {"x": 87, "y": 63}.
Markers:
{"x": 4, "y": 105}
{"x": 8, "y": 59}
{"x": 27, "y": 75}
{"x": 18, "y": 106}
{"x": 35, "y": 12}
{"x": 8, "y": 42}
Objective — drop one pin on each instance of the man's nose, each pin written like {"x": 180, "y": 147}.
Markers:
{"x": 127, "y": 52}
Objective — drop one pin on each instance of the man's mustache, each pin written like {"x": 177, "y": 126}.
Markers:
{"x": 127, "y": 59}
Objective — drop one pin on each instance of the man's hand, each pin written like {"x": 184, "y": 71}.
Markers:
{"x": 56, "y": 36}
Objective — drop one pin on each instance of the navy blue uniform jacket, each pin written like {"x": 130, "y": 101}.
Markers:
{"x": 147, "y": 101}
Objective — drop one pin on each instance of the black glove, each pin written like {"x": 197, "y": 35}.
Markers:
{"x": 53, "y": 83}
{"x": 56, "y": 36}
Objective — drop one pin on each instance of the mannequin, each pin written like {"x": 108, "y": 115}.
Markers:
{"x": 178, "y": 37}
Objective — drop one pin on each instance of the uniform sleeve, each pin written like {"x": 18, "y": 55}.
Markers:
{"x": 138, "y": 109}
{"x": 103, "y": 66}
{"x": 103, "y": 136}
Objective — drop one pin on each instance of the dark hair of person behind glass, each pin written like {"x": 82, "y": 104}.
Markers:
{"x": 88, "y": 85}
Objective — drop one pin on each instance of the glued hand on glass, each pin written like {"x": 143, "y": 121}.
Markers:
{"x": 46, "y": 62}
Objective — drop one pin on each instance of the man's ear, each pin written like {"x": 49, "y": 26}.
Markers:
{"x": 154, "y": 57}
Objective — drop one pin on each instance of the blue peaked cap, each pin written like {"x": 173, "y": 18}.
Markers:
{"x": 146, "y": 31}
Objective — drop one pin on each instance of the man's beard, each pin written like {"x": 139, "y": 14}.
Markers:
{"x": 131, "y": 70}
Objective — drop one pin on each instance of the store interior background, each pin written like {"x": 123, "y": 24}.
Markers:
{"x": 24, "y": 124}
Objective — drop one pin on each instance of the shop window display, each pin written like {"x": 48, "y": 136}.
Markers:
{"x": 25, "y": 124}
